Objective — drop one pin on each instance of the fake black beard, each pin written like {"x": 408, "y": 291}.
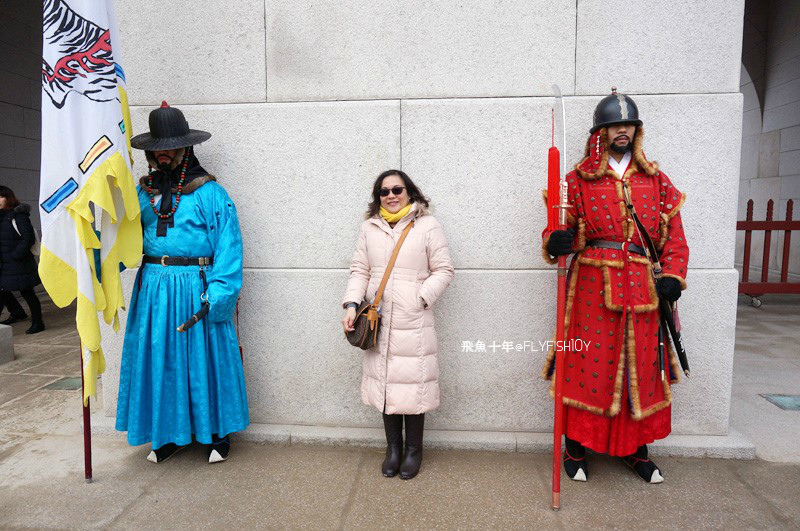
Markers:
{"x": 620, "y": 149}
{"x": 164, "y": 166}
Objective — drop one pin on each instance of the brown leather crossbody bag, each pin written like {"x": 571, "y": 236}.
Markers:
{"x": 368, "y": 320}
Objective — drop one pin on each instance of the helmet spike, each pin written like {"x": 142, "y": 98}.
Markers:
{"x": 164, "y": 104}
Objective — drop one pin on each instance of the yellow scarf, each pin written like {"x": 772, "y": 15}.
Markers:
{"x": 394, "y": 218}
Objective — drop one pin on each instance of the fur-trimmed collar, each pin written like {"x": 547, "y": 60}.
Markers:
{"x": 22, "y": 208}
{"x": 595, "y": 162}
{"x": 188, "y": 188}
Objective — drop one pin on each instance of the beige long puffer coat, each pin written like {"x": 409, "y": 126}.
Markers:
{"x": 401, "y": 374}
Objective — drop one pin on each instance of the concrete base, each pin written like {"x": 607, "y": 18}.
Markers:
{"x": 731, "y": 446}
{"x": 6, "y": 344}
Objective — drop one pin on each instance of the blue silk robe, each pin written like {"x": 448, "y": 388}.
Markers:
{"x": 175, "y": 385}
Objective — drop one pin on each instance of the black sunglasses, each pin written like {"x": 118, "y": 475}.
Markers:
{"x": 396, "y": 190}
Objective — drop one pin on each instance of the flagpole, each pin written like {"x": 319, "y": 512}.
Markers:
{"x": 87, "y": 430}
{"x": 558, "y": 202}
{"x": 85, "y": 161}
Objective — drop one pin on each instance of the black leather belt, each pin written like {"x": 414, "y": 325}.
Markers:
{"x": 605, "y": 244}
{"x": 178, "y": 260}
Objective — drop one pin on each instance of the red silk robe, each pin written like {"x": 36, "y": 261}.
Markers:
{"x": 616, "y": 398}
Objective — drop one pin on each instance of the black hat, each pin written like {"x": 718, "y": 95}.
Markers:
{"x": 615, "y": 109}
{"x": 168, "y": 130}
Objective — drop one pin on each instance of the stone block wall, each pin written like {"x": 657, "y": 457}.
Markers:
{"x": 20, "y": 100}
{"x": 307, "y": 103}
{"x": 770, "y": 164}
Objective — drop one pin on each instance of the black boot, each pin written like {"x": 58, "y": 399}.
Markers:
{"x": 14, "y": 308}
{"x": 393, "y": 424}
{"x": 415, "y": 425}
{"x": 644, "y": 468}
{"x": 14, "y": 319}
{"x": 575, "y": 460}
{"x": 37, "y": 325}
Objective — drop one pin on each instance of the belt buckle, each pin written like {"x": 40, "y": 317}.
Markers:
{"x": 163, "y": 258}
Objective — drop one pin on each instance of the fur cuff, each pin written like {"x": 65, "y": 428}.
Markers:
{"x": 678, "y": 278}
{"x": 671, "y": 214}
{"x": 546, "y": 255}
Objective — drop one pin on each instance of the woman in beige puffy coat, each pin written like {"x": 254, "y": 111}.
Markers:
{"x": 400, "y": 374}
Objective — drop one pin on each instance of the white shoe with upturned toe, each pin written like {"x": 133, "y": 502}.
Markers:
{"x": 214, "y": 457}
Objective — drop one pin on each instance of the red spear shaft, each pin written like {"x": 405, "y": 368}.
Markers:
{"x": 557, "y": 219}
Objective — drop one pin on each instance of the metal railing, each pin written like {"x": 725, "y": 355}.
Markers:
{"x": 756, "y": 289}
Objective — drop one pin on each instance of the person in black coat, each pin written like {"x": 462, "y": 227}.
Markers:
{"x": 18, "y": 271}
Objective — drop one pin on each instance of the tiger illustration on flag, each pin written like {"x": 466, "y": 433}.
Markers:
{"x": 76, "y": 57}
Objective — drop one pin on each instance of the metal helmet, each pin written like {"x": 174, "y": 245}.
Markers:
{"x": 615, "y": 109}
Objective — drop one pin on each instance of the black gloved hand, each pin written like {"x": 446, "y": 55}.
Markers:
{"x": 560, "y": 242}
{"x": 668, "y": 288}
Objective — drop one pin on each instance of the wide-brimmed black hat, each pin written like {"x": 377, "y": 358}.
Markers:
{"x": 168, "y": 130}
{"x": 615, "y": 109}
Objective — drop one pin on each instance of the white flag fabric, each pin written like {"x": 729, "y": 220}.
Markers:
{"x": 86, "y": 169}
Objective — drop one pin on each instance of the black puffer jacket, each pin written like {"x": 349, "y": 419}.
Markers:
{"x": 18, "y": 268}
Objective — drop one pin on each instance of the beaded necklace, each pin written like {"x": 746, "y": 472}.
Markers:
{"x": 177, "y": 195}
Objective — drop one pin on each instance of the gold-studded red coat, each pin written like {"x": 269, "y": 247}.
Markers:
{"x": 612, "y": 304}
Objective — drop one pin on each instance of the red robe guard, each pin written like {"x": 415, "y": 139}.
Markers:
{"x": 615, "y": 397}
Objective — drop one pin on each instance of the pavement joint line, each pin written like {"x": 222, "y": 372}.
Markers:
{"x": 145, "y": 489}
{"x": 13, "y": 400}
{"x": 348, "y": 505}
{"x": 43, "y": 374}
{"x": 22, "y": 372}
{"x": 757, "y": 495}
{"x": 15, "y": 447}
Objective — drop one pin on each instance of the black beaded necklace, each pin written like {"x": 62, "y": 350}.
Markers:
{"x": 177, "y": 195}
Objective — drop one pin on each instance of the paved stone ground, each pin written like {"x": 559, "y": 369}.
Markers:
{"x": 767, "y": 360}
{"x": 298, "y": 486}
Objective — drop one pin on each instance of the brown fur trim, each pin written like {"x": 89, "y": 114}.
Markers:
{"x": 616, "y": 401}
{"x": 633, "y": 376}
{"x": 580, "y": 405}
{"x": 545, "y": 254}
{"x": 637, "y": 308}
{"x": 659, "y": 405}
{"x": 623, "y": 210}
{"x": 662, "y": 231}
{"x": 601, "y": 169}
{"x": 650, "y": 168}
{"x": 616, "y": 264}
{"x": 678, "y": 278}
{"x": 638, "y": 160}
{"x": 639, "y": 413}
{"x": 651, "y": 287}
{"x": 581, "y": 243}
{"x": 671, "y": 213}
{"x": 197, "y": 182}
{"x": 190, "y": 187}
{"x": 573, "y": 280}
